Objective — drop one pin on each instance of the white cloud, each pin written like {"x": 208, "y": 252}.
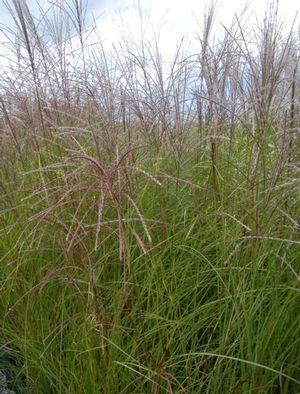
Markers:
{"x": 177, "y": 18}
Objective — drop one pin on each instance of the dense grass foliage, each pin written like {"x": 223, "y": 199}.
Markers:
{"x": 149, "y": 216}
{"x": 206, "y": 307}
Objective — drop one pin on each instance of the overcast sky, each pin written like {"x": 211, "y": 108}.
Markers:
{"x": 177, "y": 18}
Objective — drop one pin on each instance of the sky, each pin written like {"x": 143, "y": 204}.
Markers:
{"x": 179, "y": 18}
{"x": 174, "y": 18}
